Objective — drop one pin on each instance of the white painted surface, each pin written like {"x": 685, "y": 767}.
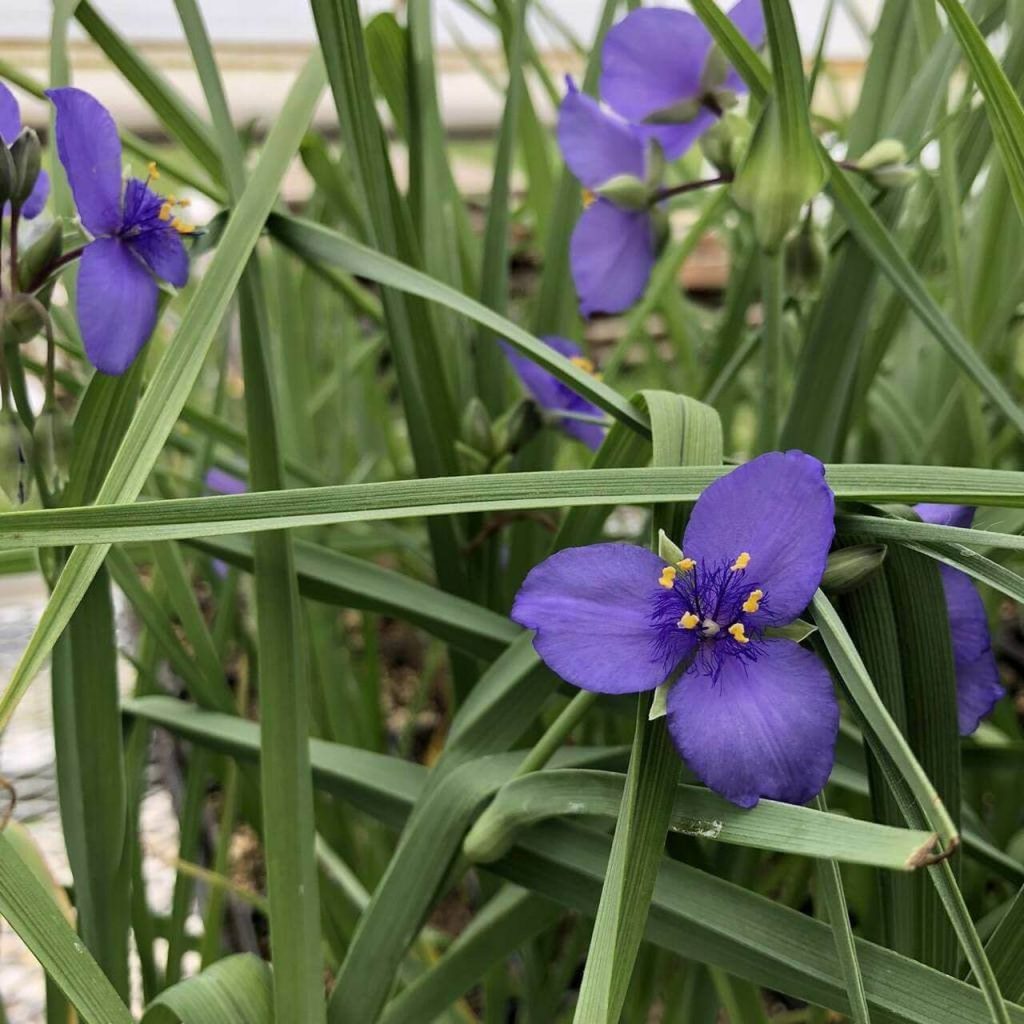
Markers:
{"x": 290, "y": 21}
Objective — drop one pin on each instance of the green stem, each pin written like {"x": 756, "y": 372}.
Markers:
{"x": 570, "y": 716}
{"x": 773, "y": 287}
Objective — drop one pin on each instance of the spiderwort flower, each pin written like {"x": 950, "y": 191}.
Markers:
{"x": 661, "y": 68}
{"x": 752, "y": 714}
{"x": 10, "y": 129}
{"x": 553, "y": 396}
{"x": 136, "y": 236}
{"x": 613, "y": 246}
{"x": 977, "y": 677}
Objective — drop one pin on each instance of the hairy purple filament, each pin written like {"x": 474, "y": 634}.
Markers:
{"x": 716, "y": 596}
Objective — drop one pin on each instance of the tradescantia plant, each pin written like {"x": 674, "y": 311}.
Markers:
{"x": 533, "y": 638}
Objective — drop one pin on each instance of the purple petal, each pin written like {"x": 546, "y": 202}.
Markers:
{"x": 164, "y": 252}
{"x": 946, "y": 515}
{"x": 653, "y": 59}
{"x": 33, "y": 206}
{"x": 977, "y": 677}
{"x": 117, "y": 299}
{"x": 591, "y": 608}
{"x": 612, "y": 253}
{"x": 748, "y": 17}
{"x": 90, "y": 151}
{"x": 778, "y": 509}
{"x": 597, "y": 145}
{"x": 10, "y": 115}
{"x": 223, "y": 482}
{"x": 553, "y": 395}
{"x": 764, "y": 728}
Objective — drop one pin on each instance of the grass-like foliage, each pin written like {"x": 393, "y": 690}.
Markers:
{"x": 588, "y": 598}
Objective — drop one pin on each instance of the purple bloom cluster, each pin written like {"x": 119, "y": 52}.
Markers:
{"x": 753, "y": 715}
{"x": 10, "y": 129}
{"x": 136, "y": 236}
{"x": 554, "y": 396}
{"x": 665, "y": 85}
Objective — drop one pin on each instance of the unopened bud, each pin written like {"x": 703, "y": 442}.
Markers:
{"x": 625, "y": 191}
{"x": 6, "y": 174}
{"x": 848, "y": 568}
{"x": 806, "y": 256}
{"x": 780, "y": 173}
{"x": 34, "y": 262}
{"x": 27, "y": 156}
{"x": 522, "y": 424}
{"x": 725, "y": 143}
{"x": 52, "y": 444}
{"x": 476, "y": 428}
{"x": 20, "y": 320}
{"x": 15, "y": 452}
{"x": 470, "y": 460}
{"x": 885, "y": 165}
{"x": 682, "y": 112}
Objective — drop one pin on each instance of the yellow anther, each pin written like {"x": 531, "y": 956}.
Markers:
{"x": 165, "y": 211}
{"x": 689, "y": 621}
{"x": 154, "y": 174}
{"x": 739, "y": 633}
{"x": 583, "y": 363}
{"x": 742, "y": 561}
{"x": 685, "y": 564}
{"x": 753, "y": 602}
{"x": 589, "y": 198}
{"x": 181, "y": 227}
{"x": 184, "y": 202}
{"x": 668, "y": 577}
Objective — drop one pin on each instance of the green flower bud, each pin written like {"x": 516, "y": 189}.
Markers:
{"x": 27, "y": 156}
{"x": 51, "y": 444}
{"x": 15, "y": 453}
{"x": 7, "y": 174}
{"x": 20, "y": 320}
{"x": 885, "y": 165}
{"x": 35, "y": 261}
{"x": 848, "y": 568}
{"x": 781, "y": 171}
{"x": 806, "y": 257}
{"x": 470, "y": 460}
{"x": 626, "y": 191}
{"x": 883, "y": 153}
{"x": 725, "y": 143}
{"x": 476, "y": 428}
{"x": 521, "y": 425}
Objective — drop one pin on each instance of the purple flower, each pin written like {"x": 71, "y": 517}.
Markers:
{"x": 612, "y": 248}
{"x": 656, "y": 66}
{"x": 10, "y": 129}
{"x": 553, "y": 396}
{"x": 219, "y": 481}
{"x": 977, "y": 676}
{"x": 752, "y": 714}
{"x": 136, "y": 237}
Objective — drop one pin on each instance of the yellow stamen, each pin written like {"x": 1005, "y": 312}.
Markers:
{"x": 588, "y": 198}
{"x": 685, "y": 564}
{"x": 181, "y": 227}
{"x": 742, "y": 561}
{"x": 583, "y": 363}
{"x": 165, "y": 211}
{"x": 154, "y": 174}
{"x": 753, "y": 602}
{"x": 739, "y": 633}
{"x": 184, "y": 202}
{"x": 689, "y": 621}
{"x": 668, "y": 577}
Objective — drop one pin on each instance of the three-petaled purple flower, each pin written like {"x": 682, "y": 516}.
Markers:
{"x": 136, "y": 236}
{"x": 10, "y": 129}
{"x": 977, "y": 676}
{"x": 753, "y": 715}
{"x": 555, "y": 397}
{"x": 665, "y": 84}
